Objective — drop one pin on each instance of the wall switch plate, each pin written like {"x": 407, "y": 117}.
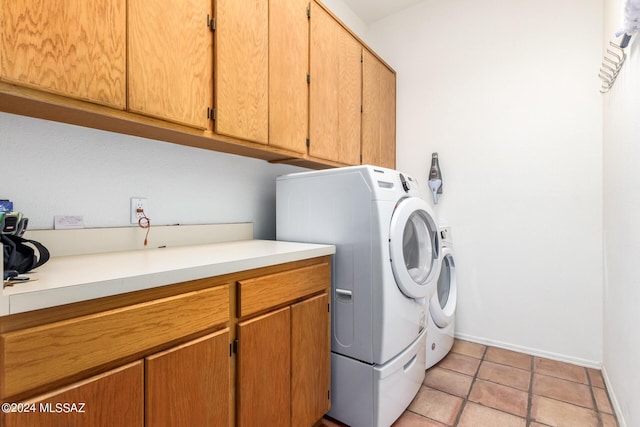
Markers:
{"x": 139, "y": 209}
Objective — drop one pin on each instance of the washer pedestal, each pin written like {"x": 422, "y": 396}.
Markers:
{"x": 393, "y": 385}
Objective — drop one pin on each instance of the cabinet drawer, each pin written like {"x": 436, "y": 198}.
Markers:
{"x": 262, "y": 293}
{"x": 40, "y": 355}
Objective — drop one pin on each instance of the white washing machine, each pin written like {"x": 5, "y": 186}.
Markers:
{"x": 384, "y": 271}
{"x": 442, "y": 305}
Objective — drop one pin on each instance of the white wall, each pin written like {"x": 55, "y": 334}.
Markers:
{"x": 340, "y": 9}
{"x": 622, "y": 228}
{"x": 507, "y": 94}
{"x": 57, "y": 169}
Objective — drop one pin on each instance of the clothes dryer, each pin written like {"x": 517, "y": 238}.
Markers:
{"x": 384, "y": 271}
{"x": 442, "y": 305}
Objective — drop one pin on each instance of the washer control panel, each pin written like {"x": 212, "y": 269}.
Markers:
{"x": 445, "y": 235}
{"x": 409, "y": 185}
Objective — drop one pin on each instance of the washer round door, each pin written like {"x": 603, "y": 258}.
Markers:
{"x": 414, "y": 246}
{"x": 442, "y": 305}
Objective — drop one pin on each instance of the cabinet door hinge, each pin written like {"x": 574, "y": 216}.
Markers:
{"x": 329, "y": 394}
{"x": 211, "y": 23}
{"x": 360, "y": 158}
{"x": 308, "y": 78}
{"x": 329, "y": 308}
{"x": 308, "y": 12}
{"x": 308, "y": 142}
{"x": 211, "y": 113}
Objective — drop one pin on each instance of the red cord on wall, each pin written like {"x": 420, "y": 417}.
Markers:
{"x": 144, "y": 222}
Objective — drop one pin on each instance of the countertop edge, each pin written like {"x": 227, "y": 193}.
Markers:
{"x": 146, "y": 269}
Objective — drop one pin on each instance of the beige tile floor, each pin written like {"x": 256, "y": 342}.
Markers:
{"x": 481, "y": 386}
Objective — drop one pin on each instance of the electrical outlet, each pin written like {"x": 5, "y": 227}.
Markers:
{"x": 139, "y": 209}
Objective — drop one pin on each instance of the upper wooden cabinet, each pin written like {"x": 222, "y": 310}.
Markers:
{"x": 378, "y": 113}
{"x": 288, "y": 69}
{"x": 76, "y": 49}
{"x": 170, "y": 50}
{"x": 280, "y": 80}
{"x": 241, "y": 69}
{"x": 335, "y": 90}
{"x": 261, "y": 59}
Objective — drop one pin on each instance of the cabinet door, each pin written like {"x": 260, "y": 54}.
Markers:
{"x": 242, "y": 74}
{"x": 288, "y": 69}
{"x": 171, "y": 60}
{"x": 310, "y": 360}
{"x": 378, "y": 113}
{"x": 264, "y": 370}
{"x": 335, "y": 90}
{"x": 115, "y": 398}
{"x": 189, "y": 385}
{"x": 72, "y": 48}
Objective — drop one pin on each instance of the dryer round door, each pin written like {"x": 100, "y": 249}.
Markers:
{"x": 414, "y": 247}
{"x": 442, "y": 305}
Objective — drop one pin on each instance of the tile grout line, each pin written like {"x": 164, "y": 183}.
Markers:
{"x": 529, "y": 419}
{"x": 473, "y": 380}
{"x": 593, "y": 399}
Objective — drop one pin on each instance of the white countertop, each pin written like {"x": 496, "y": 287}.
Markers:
{"x": 68, "y": 279}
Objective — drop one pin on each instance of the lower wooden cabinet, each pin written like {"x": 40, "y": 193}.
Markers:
{"x": 37, "y": 356}
{"x": 283, "y": 366}
{"x": 114, "y": 398}
{"x": 310, "y": 360}
{"x": 264, "y": 370}
{"x": 184, "y": 386}
{"x": 166, "y": 358}
{"x": 189, "y": 385}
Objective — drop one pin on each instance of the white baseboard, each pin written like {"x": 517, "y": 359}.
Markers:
{"x": 532, "y": 351}
{"x": 614, "y": 400}
{"x": 558, "y": 357}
